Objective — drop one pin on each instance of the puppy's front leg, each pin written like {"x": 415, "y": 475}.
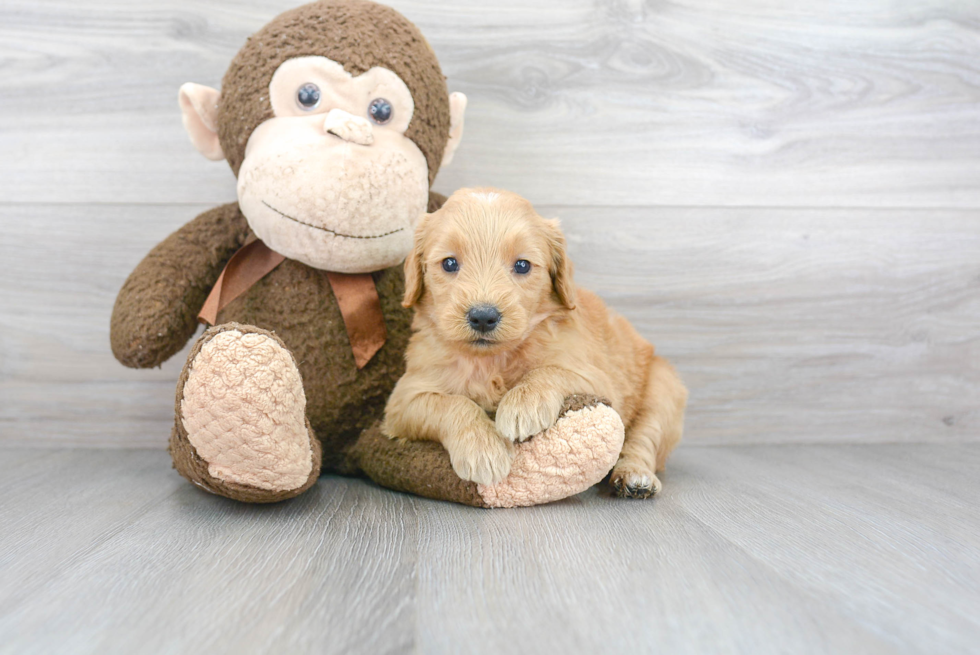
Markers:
{"x": 533, "y": 405}
{"x": 476, "y": 451}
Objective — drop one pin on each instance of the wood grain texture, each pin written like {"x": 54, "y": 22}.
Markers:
{"x": 58, "y": 379}
{"x": 646, "y": 125}
{"x": 800, "y": 325}
{"x": 788, "y": 325}
{"x": 691, "y": 102}
{"x": 755, "y": 549}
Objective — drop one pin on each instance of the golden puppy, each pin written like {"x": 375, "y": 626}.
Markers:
{"x": 501, "y": 331}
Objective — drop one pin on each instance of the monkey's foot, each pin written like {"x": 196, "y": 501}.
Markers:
{"x": 566, "y": 459}
{"x": 571, "y": 456}
{"x": 241, "y": 428}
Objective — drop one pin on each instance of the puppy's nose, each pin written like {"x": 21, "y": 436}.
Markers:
{"x": 484, "y": 318}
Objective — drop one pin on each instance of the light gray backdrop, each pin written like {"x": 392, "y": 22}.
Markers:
{"x": 782, "y": 196}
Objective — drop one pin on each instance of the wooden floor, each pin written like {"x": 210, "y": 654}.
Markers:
{"x": 750, "y": 549}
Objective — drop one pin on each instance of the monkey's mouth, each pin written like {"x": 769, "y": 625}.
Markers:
{"x": 333, "y": 232}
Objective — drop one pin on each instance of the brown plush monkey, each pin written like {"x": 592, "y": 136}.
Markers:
{"x": 335, "y": 118}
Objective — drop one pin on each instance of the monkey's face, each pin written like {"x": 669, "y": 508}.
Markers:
{"x": 331, "y": 180}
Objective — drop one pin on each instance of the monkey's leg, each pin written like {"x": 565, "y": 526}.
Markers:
{"x": 574, "y": 454}
{"x": 241, "y": 429}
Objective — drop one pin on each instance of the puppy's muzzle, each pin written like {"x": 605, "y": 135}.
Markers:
{"x": 483, "y": 318}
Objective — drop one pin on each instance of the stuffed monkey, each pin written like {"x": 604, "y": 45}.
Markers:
{"x": 335, "y": 118}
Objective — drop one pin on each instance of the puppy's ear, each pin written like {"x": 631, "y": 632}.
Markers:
{"x": 560, "y": 267}
{"x": 415, "y": 266}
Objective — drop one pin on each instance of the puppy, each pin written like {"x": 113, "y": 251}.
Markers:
{"x": 502, "y": 336}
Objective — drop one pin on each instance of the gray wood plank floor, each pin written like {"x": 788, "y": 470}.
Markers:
{"x": 751, "y": 549}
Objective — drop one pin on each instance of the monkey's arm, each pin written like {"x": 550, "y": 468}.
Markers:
{"x": 156, "y": 309}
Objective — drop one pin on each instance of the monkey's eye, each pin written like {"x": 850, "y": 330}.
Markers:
{"x": 450, "y": 265}
{"x": 308, "y": 96}
{"x": 522, "y": 267}
{"x": 380, "y": 111}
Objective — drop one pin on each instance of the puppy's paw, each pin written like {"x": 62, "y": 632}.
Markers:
{"x": 480, "y": 455}
{"x": 634, "y": 482}
{"x": 526, "y": 410}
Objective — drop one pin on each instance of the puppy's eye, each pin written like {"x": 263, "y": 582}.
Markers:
{"x": 522, "y": 267}
{"x": 308, "y": 96}
{"x": 450, "y": 265}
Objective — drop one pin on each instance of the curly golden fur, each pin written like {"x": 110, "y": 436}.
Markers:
{"x": 478, "y": 387}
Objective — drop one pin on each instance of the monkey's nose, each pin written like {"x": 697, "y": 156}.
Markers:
{"x": 484, "y": 318}
{"x": 348, "y": 127}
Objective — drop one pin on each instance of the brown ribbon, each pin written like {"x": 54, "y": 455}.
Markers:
{"x": 356, "y": 296}
{"x": 361, "y": 308}
{"x": 251, "y": 263}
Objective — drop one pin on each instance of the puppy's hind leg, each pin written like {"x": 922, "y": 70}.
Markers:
{"x": 652, "y": 435}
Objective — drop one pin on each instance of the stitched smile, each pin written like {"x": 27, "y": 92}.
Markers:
{"x": 333, "y": 232}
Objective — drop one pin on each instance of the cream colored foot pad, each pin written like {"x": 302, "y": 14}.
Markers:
{"x": 244, "y": 411}
{"x": 565, "y": 460}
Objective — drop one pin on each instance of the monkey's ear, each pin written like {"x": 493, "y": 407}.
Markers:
{"x": 561, "y": 266}
{"x": 199, "y": 106}
{"x": 457, "y": 108}
{"x": 415, "y": 266}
